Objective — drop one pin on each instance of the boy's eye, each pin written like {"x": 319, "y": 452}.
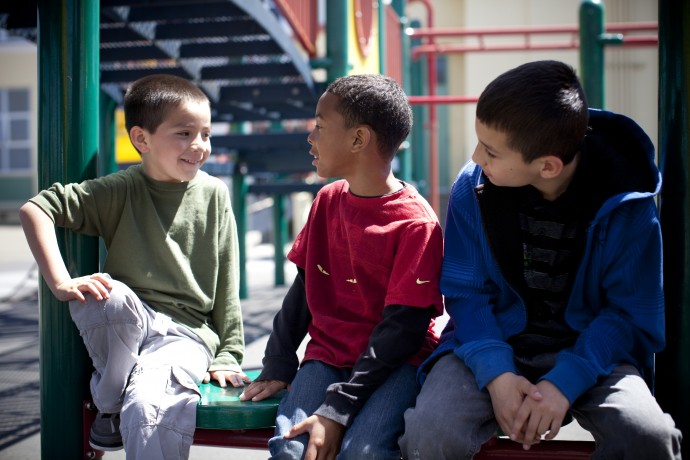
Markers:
{"x": 317, "y": 127}
{"x": 489, "y": 154}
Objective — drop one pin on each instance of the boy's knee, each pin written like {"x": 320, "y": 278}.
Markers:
{"x": 661, "y": 433}
{"x": 121, "y": 307}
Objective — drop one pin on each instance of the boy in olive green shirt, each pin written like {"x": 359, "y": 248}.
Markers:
{"x": 165, "y": 314}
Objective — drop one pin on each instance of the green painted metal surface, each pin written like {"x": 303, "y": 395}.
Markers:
{"x": 68, "y": 147}
{"x": 593, "y": 40}
{"x": 420, "y": 134}
{"x": 336, "y": 39}
{"x": 221, "y": 408}
{"x": 17, "y": 188}
{"x": 239, "y": 207}
{"x": 592, "y": 52}
{"x": 672, "y": 376}
{"x": 280, "y": 237}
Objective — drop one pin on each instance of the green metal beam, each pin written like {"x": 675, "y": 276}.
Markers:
{"x": 280, "y": 237}
{"x": 420, "y": 135}
{"x": 239, "y": 206}
{"x": 672, "y": 376}
{"x": 593, "y": 39}
{"x": 336, "y": 39}
{"x": 68, "y": 148}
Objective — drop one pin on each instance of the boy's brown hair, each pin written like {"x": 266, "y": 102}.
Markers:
{"x": 540, "y": 106}
{"x": 148, "y": 100}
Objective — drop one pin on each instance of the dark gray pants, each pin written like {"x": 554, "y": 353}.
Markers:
{"x": 453, "y": 418}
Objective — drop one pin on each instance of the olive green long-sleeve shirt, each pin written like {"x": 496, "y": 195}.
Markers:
{"x": 174, "y": 244}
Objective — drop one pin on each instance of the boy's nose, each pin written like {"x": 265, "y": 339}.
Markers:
{"x": 475, "y": 157}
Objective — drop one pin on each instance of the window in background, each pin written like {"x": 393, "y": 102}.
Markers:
{"x": 15, "y": 130}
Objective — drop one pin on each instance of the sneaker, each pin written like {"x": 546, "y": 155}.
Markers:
{"x": 105, "y": 432}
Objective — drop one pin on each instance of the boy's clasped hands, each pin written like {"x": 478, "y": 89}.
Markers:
{"x": 525, "y": 411}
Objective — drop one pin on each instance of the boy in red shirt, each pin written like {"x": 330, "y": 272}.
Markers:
{"x": 368, "y": 260}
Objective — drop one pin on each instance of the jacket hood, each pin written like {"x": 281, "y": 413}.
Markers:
{"x": 618, "y": 156}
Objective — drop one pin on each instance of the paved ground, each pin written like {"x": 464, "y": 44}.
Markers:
{"x": 19, "y": 370}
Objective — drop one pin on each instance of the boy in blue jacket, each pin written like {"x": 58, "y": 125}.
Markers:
{"x": 552, "y": 278}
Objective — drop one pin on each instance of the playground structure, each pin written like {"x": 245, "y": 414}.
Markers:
{"x": 70, "y": 85}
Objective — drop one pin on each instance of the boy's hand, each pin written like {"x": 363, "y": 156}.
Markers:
{"x": 325, "y": 437}
{"x": 236, "y": 379}
{"x": 536, "y": 418}
{"x": 256, "y": 391}
{"x": 508, "y": 392}
{"x": 98, "y": 285}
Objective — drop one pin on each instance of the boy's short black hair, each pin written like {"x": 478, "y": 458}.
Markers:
{"x": 378, "y": 102}
{"x": 540, "y": 106}
{"x": 149, "y": 99}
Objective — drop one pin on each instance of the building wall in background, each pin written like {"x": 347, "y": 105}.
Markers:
{"x": 19, "y": 71}
{"x": 631, "y": 73}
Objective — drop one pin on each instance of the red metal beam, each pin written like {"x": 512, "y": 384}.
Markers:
{"x": 442, "y": 99}
{"x": 481, "y": 32}
{"x": 526, "y": 46}
{"x": 430, "y": 32}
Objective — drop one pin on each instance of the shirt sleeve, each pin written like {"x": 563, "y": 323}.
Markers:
{"x": 398, "y": 336}
{"x": 290, "y": 325}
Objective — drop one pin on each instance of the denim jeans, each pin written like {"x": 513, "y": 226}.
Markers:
{"x": 146, "y": 367}
{"x": 375, "y": 430}
{"x": 453, "y": 417}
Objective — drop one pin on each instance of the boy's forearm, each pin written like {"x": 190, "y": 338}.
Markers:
{"x": 40, "y": 235}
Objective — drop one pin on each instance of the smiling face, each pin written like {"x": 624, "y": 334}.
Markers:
{"x": 331, "y": 140}
{"x": 502, "y": 165}
{"x": 180, "y": 144}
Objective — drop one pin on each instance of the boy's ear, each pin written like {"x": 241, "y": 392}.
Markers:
{"x": 362, "y": 137}
{"x": 551, "y": 166}
{"x": 139, "y": 139}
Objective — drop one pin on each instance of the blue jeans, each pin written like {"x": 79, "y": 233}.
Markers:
{"x": 453, "y": 417}
{"x": 375, "y": 430}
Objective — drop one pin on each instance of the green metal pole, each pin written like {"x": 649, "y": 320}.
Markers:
{"x": 106, "y": 157}
{"x": 420, "y": 140}
{"x": 593, "y": 39}
{"x": 382, "y": 36}
{"x": 592, "y": 51}
{"x": 405, "y": 156}
{"x": 68, "y": 43}
{"x": 672, "y": 376}
{"x": 280, "y": 230}
{"x": 239, "y": 206}
{"x": 336, "y": 39}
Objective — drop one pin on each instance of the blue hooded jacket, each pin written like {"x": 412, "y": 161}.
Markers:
{"x": 616, "y": 304}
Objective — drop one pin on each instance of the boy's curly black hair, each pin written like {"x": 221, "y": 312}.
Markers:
{"x": 378, "y": 102}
